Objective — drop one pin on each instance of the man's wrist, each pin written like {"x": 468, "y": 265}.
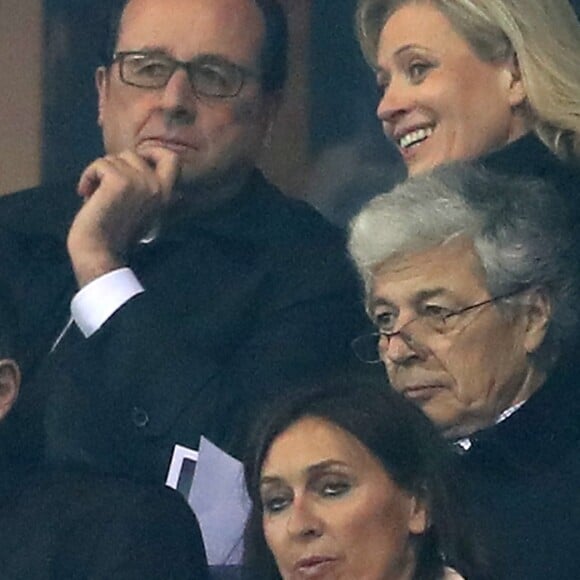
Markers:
{"x": 97, "y": 301}
{"x": 89, "y": 270}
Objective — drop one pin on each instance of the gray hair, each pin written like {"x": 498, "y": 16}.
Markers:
{"x": 519, "y": 227}
{"x": 544, "y": 36}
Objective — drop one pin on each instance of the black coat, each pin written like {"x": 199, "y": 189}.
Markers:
{"x": 529, "y": 157}
{"x": 520, "y": 483}
{"x": 74, "y": 526}
{"x": 240, "y": 304}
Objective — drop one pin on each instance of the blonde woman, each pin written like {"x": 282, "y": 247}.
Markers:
{"x": 492, "y": 79}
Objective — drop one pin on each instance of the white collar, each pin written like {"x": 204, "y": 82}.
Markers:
{"x": 465, "y": 443}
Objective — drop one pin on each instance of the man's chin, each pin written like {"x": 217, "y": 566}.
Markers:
{"x": 203, "y": 190}
{"x": 458, "y": 428}
{"x": 213, "y": 177}
{"x": 448, "y": 422}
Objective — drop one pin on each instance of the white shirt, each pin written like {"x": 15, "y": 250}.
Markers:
{"x": 451, "y": 574}
{"x": 465, "y": 442}
{"x": 94, "y": 304}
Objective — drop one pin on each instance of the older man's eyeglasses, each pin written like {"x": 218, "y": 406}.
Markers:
{"x": 208, "y": 76}
{"x": 433, "y": 321}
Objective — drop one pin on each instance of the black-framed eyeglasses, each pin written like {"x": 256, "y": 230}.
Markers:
{"x": 209, "y": 76}
{"x": 427, "y": 324}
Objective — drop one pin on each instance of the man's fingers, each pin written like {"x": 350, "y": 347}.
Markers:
{"x": 154, "y": 169}
{"x": 109, "y": 169}
{"x": 91, "y": 178}
{"x": 166, "y": 167}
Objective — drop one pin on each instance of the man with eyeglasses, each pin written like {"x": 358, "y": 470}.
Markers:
{"x": 471, "y": 285}
{"x": 199, "y": 290}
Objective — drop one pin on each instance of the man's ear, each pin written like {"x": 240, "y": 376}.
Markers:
{"x": 101, "y": 82}
{"x": 9, "y": 385}
{"x": 271, "y": 106}
{"x": 419, "y": 516}
{"x": 538, "y": 312}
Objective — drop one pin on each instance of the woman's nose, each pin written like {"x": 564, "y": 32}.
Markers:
{"x": 303, "y": 521}
{"x": 394, "y": 102}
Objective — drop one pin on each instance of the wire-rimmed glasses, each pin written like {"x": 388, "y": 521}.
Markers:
{"x": 367, "y": 347}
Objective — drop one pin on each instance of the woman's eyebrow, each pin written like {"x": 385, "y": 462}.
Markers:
{"x": 270, "y": 480}
{"x": 325, "y": 465}
{"x": 314, "y": 468}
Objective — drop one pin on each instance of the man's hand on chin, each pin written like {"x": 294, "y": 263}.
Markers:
{"x": 123, "y": 195}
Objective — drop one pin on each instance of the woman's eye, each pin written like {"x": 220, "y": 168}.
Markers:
{"x": 334, "y": 488}
{"x": 417, "y": 71}
{"x": 275, "y": 504}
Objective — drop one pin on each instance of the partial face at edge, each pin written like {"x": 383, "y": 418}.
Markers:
{"x": 9, "y": 385}
{"x": 440, "y": 102}
{"x": 332, "y": 512}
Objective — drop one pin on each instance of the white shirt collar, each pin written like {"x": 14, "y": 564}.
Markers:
{"x": 465, "y": 443}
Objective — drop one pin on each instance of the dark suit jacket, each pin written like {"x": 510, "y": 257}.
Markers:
{"x": 241, "y": 304}
{"x": 520, "y": 483}
{"x": 74, "y": 526}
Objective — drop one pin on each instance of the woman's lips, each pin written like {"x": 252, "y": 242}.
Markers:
{"x": 410, "y": 141}
{"x": 414, "y": 137}
{"x": 314, "y": 567}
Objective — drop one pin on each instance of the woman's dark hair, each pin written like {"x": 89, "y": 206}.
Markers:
{"x": 274, "y": 52}
{"x": 406, "y": 443}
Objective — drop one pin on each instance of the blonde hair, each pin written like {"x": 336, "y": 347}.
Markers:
{"x": 542, "y": 35}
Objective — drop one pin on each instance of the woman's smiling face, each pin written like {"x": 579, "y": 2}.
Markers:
{"x": 440, "y": 102}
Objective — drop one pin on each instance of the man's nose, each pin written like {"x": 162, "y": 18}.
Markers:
{"x": 178, "y": 92}
{"x": 402, "y": 345}
{"x": 397, "y": 349}
{"x": 303, "y": 521}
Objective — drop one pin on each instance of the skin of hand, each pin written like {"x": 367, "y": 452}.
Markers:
{"x": 123, "y": 196}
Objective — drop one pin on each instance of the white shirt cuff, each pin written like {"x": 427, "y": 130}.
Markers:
{"x": 94, "y": 304}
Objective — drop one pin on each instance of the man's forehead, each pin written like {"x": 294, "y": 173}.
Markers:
{"x": 185, "y": 28}
{"x": 444, "y": 269}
